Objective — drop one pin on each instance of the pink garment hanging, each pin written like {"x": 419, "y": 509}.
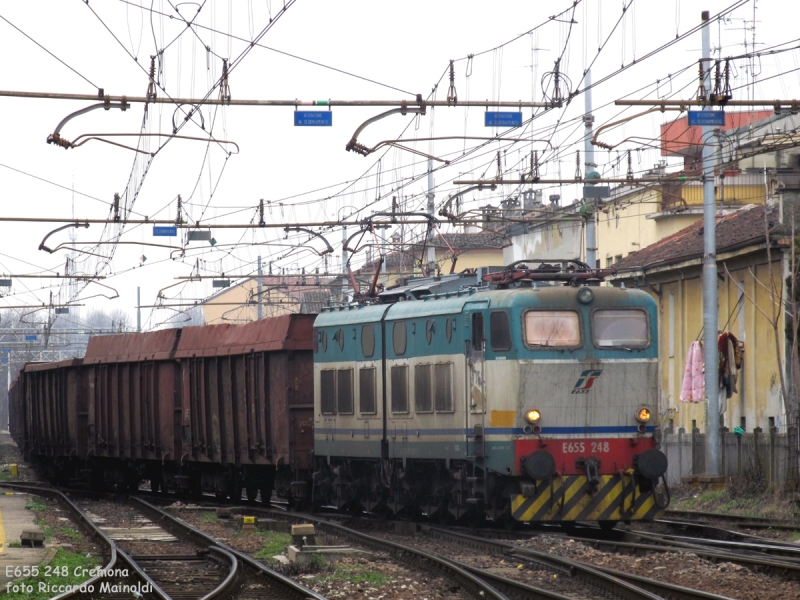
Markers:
{"x": 693, "y": 387}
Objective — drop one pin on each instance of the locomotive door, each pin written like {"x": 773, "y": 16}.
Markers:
{"x": 475, "y": 384}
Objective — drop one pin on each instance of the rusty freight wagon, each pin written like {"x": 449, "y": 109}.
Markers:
{"x": 215, "y": 408}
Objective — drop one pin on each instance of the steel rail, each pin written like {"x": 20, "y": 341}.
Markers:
{"x": 588, "y": 573}
{"x": 173, "y": 524}
{"x": 473, "y": 584}
{"x": 743, "y": 521}
{"x": 229, "y": 584}
{"x": 108, "y": 572}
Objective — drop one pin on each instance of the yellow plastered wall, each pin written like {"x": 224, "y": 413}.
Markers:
{"x": 759, "y": 389}
{"x": 274, "y": 303}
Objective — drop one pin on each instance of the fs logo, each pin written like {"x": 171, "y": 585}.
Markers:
{"x": 586, "y": 381}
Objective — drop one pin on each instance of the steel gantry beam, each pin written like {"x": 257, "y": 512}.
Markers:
{"x": 296, "y": 102}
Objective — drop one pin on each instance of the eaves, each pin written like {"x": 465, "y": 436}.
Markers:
{"x": 694, "y": 261}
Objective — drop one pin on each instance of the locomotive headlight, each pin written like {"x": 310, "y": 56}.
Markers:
{"x": 643, "y": 416}
{"x": 533, "y": 416}
{"x": 585, "y": 295}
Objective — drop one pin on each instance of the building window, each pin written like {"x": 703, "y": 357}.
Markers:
{"x": 367, "y": 340}
{"x": 400, "y": 389}
{"x": 443, "y": 387}
{"x": 399, "y": 338}
{"x": 366, "y": 390}
{"x": 499, "y": 331}
{"x": 609, "y": 261}
{"x": 422, "y": 389}
{"x": 617, "y": 258}
{"x": 327, "y": 380}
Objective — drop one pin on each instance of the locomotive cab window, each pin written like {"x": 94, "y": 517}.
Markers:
{"x": 399, "y": 338}
{"x": 367, "y": 340}
{"x": 620, "y": 328}
{"x": 552, "y": 328}
{"x": 499, "y": 331}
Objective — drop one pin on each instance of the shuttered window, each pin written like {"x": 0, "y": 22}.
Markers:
{"x": 327, "y": 386}
{"x": 422, "y": 389}
{"x": 400, "y": 389}
{"x": 344, "y": 391}
{"x": 443, "y": 387}
{"x": 366, "y": 390}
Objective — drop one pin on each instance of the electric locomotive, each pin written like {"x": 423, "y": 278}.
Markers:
{"x": 528, "y": 396}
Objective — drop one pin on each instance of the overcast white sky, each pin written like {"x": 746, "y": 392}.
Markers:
{"x": 404, "y": 45}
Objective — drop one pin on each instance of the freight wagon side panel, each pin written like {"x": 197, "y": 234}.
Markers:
{"x": 165, "y": 410}
{"x": 301, "y": 408}
{"x": 279, "y": 406}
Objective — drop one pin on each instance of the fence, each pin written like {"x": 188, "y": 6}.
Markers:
{"x": 752, "y": 455}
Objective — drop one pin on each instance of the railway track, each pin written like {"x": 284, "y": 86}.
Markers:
{"x": 739, "y": 520}
{"x": 215, "y": 572}
{"x": 600, "y": 581}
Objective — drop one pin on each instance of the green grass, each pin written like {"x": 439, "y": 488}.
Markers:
{"x": 16, "y": 544}
{"x": 36, "y": 504}
{"x": 357, "y": 576}
{"x": 208, "y": 517}
{"x": 50, "y": 531}
{"x": 66, "y": 563}
{"x": 275, "y": 543}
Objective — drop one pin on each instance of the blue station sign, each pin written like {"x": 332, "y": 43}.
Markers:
{"x": 313, "y": 118}
{"x": 502, "y": 119}
{"x": 707, "y": 118}
{"x": 30, "y": 338}
{"x": 162, "y": 231}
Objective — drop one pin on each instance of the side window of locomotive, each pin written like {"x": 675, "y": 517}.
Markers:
{"x": 400, "y": 389}
{"x": 448, "y": 329}
{"x": 338, "y": 337}
{"x": 422, "y": 389}
{"x": 367, "y": 340}
{"x": 399, "y": 338}
{"x": 477, "y": 331}
{"x": 324, "y": 340}
{"x": 327, "y": 385}
{"x": 366, "y": 390}
{"x": 344, "y": 391}
{"x": 552, "y": 328}
{"x": 430, "y": 329}
{"x": 443, "y": 387}
{"x": 499, "y": 331}
{"x": 620, "y": 328}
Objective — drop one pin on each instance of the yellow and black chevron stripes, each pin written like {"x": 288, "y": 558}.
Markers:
{"x": 569, "y": 499}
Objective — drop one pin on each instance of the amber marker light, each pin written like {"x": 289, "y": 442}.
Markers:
{"x": 533, "y": 416}
{"x": 643, "y": 416}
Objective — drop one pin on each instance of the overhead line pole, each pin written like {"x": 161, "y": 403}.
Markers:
{"x": 710, "y": 293}
{"x": 589, "y": 164}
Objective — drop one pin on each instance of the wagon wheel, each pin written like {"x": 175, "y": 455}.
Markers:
{"x": 252, "y": 493}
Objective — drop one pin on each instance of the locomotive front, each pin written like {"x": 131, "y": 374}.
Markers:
{"x": 582, "y": 394}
